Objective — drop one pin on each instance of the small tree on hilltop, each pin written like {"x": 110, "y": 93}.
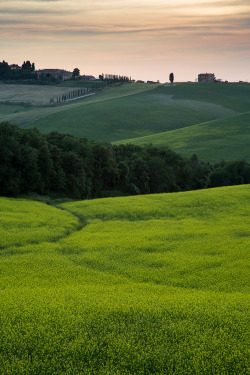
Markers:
{"x": 76, "y": 73}
{"x": 171, "y": 77}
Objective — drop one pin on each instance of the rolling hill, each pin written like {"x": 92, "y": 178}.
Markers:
{"x": 211, "y": 120}
{"x": 135, "y": 285}
{"x": 189, "y": 118}
{"x": 227, "y": 138}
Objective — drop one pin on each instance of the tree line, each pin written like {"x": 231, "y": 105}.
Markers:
{"x": 114, "y": 78}
{"x": 73, "y": 94}
{"x": 63, "y": 165}
{"x": 16, "y": 72}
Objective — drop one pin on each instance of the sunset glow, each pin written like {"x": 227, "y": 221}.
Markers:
{"x": 145, "y": 39}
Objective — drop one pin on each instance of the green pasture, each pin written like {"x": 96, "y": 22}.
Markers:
{"x": 154, "y": 284}
{"x": 35, "y": 113}
{"x": 81, "y": 83}
{"x": 189, "y": 117}
{"x": 227, "y": 138}
{"x": 229, "y": 95}
{"x": 9, "y": 109}
{"x": 145, "y": 113}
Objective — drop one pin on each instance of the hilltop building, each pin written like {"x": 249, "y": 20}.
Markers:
{"x": 206, "y": 77}
{"x": 87, "y": 78}
{"x": 55, "y": 73}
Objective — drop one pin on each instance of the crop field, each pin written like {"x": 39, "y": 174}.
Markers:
{"x": 38, "y": 95}
{"x": 14, "y": 109}
{"x": 154, "y": 284}
{"x": 16, "y": 215}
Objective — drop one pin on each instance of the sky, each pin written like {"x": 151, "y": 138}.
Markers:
{"x": 144, "y": 39}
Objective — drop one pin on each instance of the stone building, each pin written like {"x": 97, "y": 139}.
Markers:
{"x": 87, "y": 78}
{"x": 60, "y": 74}
{"x": 206, "y": 77}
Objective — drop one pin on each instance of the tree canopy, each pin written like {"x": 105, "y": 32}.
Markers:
{"x": 64, "y": 165}
{"x": 16, "y": 72}
{"x": 76, "y": 73}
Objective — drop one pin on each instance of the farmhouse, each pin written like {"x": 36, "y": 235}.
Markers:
{"x": 206, "y": 77}
{"x": 55, "y": 73}
{"x": 87, "y": 78}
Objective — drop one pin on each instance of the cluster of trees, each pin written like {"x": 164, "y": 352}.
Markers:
{"x": 16, "y": 72}
{"x": 114, "y": 78}
{"x": 63, "y": 165}
{"x": 76, "y": 73}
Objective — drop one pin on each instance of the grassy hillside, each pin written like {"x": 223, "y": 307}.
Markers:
{"x": 81, "y": 83}
{"x": 42, "y": 94}
{"x": 132, "y": 116}
{"x": 141, "y": 110}
{"x": 227, "y": 138}
{"x": 151, "y": 284}
{"x": 30, "y": 95}
{"x": 44, "y": 223}
{"x": 230, "y": 95}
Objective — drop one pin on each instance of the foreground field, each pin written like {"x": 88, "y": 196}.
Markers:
{"x": 143, "y": 285}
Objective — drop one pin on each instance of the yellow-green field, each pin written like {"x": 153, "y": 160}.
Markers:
{"x": 153, "y": 284}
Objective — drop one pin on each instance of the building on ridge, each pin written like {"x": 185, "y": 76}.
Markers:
{"x": 206, "y": 77}
{"x": 87, "y": 78}
{"x": 60, "y": 74}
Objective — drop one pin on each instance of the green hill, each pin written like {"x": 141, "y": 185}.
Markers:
{"x": 40, "y": 95}
{"x": 143, "y": 110}
{"x": 136, "y": 285}
{"x": 134, "y": 115}
{"x": 227, "y": 138}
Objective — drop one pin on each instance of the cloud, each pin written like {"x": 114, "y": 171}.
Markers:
{"x": 30, "y": 11}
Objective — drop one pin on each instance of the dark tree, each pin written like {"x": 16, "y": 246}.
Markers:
{"x": 4, "y": 69}
{"x": 171, "y": 77}
{"x": 27, "y": 66}
{"x": 76, "y": 72}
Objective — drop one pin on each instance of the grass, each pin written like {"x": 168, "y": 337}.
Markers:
{"x": 36, "y": 113}
{"x": 153, "y": 284}
{"x": 8, "y": 108}
{"x": 231, "y": 95}
{"x": 226, "y": 138}
{"x": 36, "y": 95}
{"x": 190, "y": 118}
{"x": 131, "y": 116}
{"x": 16, "y": 215}
{"x": 81, "y": 83}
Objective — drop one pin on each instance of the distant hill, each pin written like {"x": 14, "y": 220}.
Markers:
{"x": 158, "y": 114}
{"x": 227, "y": 138}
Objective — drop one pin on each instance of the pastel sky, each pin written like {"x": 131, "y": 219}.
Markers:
{"x": 145, "y": 39}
